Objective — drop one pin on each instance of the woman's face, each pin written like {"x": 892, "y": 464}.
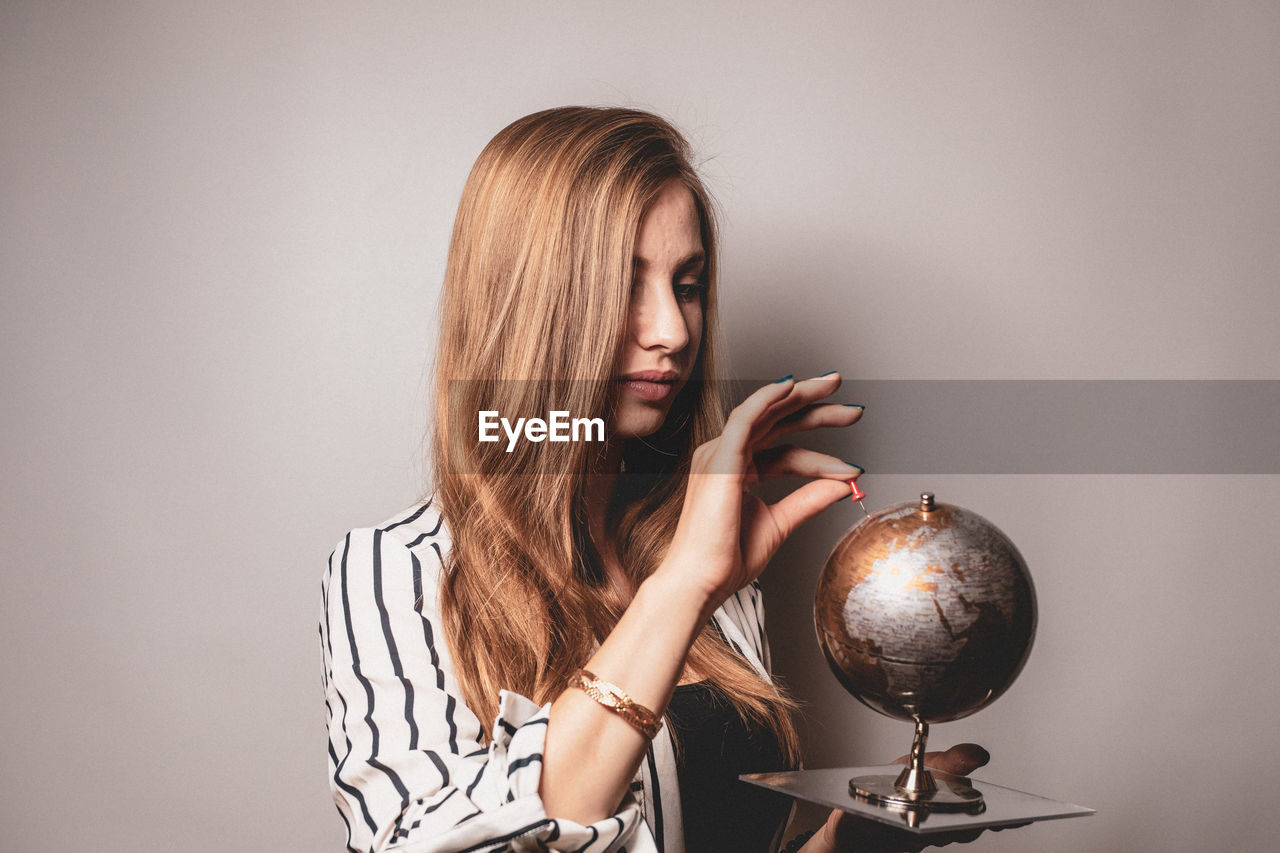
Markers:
{"x": 664, "y": 325}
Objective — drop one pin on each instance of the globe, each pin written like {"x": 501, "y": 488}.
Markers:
{"x": 925, "y": 611}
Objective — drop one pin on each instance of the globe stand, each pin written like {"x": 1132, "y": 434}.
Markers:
{"x": 914, "y": 789}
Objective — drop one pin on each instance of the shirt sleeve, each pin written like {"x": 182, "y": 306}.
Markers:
{"x": 740, "y": 621}
{"x": 408, "y": 769}
{"x": 756, "y": 597}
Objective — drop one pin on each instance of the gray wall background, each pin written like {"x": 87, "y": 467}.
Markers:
{"x": 224, "y": 227}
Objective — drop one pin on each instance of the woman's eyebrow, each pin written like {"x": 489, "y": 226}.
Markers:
{"x": 696, "y": 259}
{"x": 693, "y": 259}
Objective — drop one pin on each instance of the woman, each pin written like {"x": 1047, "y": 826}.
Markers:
{"x": 498, "y": 656}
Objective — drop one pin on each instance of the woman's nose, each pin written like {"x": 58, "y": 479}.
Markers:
{"x": 657, "y": 319}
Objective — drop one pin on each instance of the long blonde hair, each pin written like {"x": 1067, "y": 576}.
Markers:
{"x": 533, "y": 318}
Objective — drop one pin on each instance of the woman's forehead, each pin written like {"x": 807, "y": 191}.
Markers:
{"x": 671, "y": 229}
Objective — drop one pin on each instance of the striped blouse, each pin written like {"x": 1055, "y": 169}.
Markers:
{"x": 408, "y": 769}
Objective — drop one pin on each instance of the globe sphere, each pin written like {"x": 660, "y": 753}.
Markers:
{"x": 925, "y": 611}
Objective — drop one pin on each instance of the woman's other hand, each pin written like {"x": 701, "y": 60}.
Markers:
{"x": 726, "y": 535}
{"x": 960, "y": 760}
{"x": 844, "y": 832}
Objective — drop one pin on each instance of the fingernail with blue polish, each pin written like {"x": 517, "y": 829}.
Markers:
{"x": 783, "y": 379}
{"x": 828, "y": 373}
{"x": 855, "y": 406}
{"x": 861, "y": 470}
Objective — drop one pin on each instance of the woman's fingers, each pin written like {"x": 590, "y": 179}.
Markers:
{"x": 790, "y": 461}
{"x": 813, "y": 416}
{"x": 831, "y": 483}
{"x": 755, "y": 422}
{"x": 848, "y": 832}
{"x": 806, "y": 502}
{"x": 960, "y": 760}
{"x": 739, "y": 427}
{"x": 802, "y": 394}
{"x": 755, "y": 529}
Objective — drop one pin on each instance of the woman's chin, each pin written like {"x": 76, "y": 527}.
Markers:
{"x": 639, "y": 424}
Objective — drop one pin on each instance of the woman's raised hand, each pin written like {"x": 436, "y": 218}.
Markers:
{"x": 726, "y": 535}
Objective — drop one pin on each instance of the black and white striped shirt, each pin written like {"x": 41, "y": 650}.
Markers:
{"x": 407, "y": 768}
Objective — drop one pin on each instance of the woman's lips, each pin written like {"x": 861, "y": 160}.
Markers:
{"x": 645, "y": 390}
{"x": 651, "y": 385}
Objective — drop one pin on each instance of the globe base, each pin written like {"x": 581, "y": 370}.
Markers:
{"x": 914, "y": 789}
{"x": 955, "y": 795}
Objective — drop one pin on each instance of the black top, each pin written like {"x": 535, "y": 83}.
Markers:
{"x": 714, "y": 745}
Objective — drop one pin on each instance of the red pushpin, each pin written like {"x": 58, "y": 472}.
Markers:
{"x": 857, "y": 494}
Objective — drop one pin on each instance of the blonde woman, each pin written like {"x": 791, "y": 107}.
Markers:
{"x": 563, "y": 647}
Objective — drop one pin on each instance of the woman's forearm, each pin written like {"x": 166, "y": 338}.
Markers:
{"x": 591, "y": 752}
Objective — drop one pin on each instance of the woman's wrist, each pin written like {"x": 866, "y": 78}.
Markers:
{"x": 676, "y": 586}
{"x": 592, "y": 751}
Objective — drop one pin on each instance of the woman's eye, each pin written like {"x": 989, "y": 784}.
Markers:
{"x": 689, "y": 291}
